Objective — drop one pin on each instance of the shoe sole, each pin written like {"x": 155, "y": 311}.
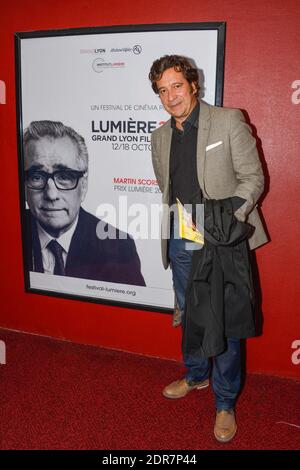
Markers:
{"x": 199, "y": 387}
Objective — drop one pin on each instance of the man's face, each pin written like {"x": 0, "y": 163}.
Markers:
{"x": 176, "y": 94}
{"x": 55, "y": 209}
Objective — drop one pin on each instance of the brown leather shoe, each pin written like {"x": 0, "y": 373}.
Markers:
{"x": 180, "y": 388}
{"x": 225, "y": 425}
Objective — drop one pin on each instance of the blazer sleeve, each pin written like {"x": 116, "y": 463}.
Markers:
{"x": 246, "y": 164}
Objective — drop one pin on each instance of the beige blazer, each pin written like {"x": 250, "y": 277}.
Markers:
{"x": 227, "y": 165}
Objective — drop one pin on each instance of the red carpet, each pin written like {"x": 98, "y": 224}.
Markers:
{"x": 58, "y": 395}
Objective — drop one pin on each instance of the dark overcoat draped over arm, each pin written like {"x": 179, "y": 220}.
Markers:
{"x": 220, "y": 295}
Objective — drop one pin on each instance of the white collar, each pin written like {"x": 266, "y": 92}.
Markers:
{"x": 64, "y": 240}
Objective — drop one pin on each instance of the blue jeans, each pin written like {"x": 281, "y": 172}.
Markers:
{"x": 226, "y": 367}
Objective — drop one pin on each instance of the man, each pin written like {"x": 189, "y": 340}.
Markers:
{"x": 62, "y": 238}
{"x": 206, "y": 149}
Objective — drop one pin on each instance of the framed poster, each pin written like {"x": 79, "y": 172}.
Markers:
{"x": 90, "y": 204}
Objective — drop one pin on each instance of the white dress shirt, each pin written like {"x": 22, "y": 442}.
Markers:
{"x": 64, "y": 240}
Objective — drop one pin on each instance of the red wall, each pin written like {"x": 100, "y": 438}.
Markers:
{"x": 262, "y": 62}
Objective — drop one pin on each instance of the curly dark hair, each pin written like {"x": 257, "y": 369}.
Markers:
{"x": 180, "y": 64}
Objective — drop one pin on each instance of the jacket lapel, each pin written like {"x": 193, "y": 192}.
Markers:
{"x": 203, "y": 134}
{"x": 77, "y": 254}
{"x": 36, "y": 256}
{"x": 166, "y": 140}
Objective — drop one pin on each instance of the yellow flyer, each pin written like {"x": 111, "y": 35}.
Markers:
{"x": 187, "y": 228}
